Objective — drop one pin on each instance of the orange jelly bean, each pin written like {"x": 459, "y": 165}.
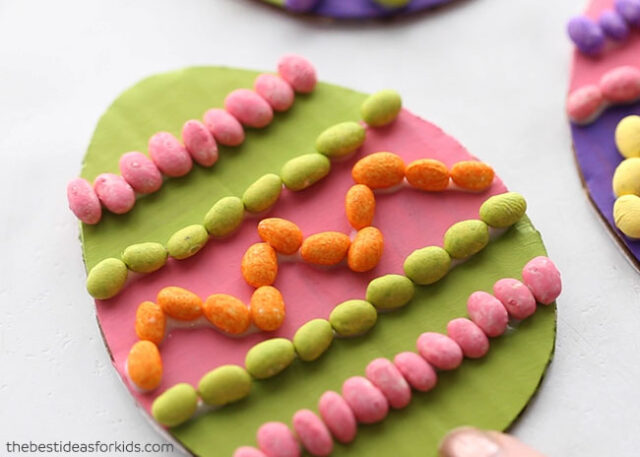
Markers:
{"x": 282, "y": 235}
{"x": 428, "y": 174}
{"x": 227, "y": 313}
{"x": 379, "y": 171}
{"x": 180, "y": 303}
{"x": 144, "y": 365}
{"x": 267, "y": 308}
{"x": 150, "y": 322}
{"x": 472, "y": 175}
{"x": 326, "y": 248}
{"x": 360, "y": 206}
{"x": 259, "y": 265}
{"x": 366, "y": 250}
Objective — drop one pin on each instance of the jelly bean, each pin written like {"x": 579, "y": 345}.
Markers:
{"x": 269, "y": 358}
{"x": 488, "y": 313}
{"x": 472, "y": 175}
{"x": 385, "y": 376}
{"x": 543, "y": 278}
{"x": 368, "y": 404}
{"x": 366, "y": 250}
{"x": 628, "y": 136}
{"x": 248, "y": 451}
{"x": 275, "y": 90}
{"x": 282, "y": 235}
{"x": 276, "y": 440}
{"x": 312, "y": 339}
{"x": 144, "y": 365}
{"x": 187, "y": 241}
{"x": 326, "y": 248}
{"x": 304, "y": 171}
{"x": 360, "y": 206}
{"x": 503, "y": 210}
{"x": 427, "y": 265}
{"x": 106, "y": 278}
{"x": 199, "y": 143}
{"x": 225, "y": 128}
{"x": 169, "y": 155}
{"x": 83, "y": 201}
{"x": 341, "y": 139}
{"x": 392, "y": 4}
{"x": 179, "y": 303}
{"x": 380, "y": 170}
{"x": 224, "y": 217}
{"x": 313, "y": 434}
{"x": 353, "y": 317}
{"x": 471, "y": 339}
{"x": 140, "y": 172}
{"x": 466, "y": 238}
{"x": 381, "y": 108}
{"x": 586, "y": 34}
{"x": 224, "y": 385}
{"x": 249, "y": 108}
{"x": 298, "y": 72}
{"x": 145, "y": 257}
{"x": 626, "y": 214}
{"x": 262, "y": 194}
{"x": 390, "y": 291}
{"x": 621, "y": 85}
{"x": 629, "y": 10}
{"x": 418, "y": 373}
{"x": 259, "y": 265}
{"x": 584, "y": 103}
{"x": 114, "y": 193}
{"x": 267, "y": 308}
{"x": 613, "y": 25}
{"x": 427, "y": 174}
{"x": 338, "y": 417}
{"x": 175, "y": 405}
{"x": 227, "y": 313}
{"x": 300, "y": 6}
{"x": 150, "y": 322}
{"x": 515, "y": 297}
{"x": 626, "y": 179}
{"x": 439, "y": 350}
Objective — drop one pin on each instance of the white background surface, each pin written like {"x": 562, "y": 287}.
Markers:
{"x": 493, "y": 73}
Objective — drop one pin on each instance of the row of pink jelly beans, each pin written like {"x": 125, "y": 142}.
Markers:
{"x": 620, "y": 85}
{"x": 366, "y": 400}
{"x": 143, "y": 175}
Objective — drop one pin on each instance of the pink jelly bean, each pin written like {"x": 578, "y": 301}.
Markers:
{"x": 584, "y": 103}
{"x": 248, "y": 451}
{"x": 275, "y": 90}
{"x": 169, "y": 155}
{"x": 515, "y": 297}
{"x": 368, "y": 404}
{"x": 224, "y": 127}
{"x": 488, "y": 313}
{"x": 385, "y": 376}
{"x": 338, "y": 416}
{"x": 249, "y": 108}
{"x": 140, "y": 172}
{"x": 621, "y": 84}
{"x": 313, "y": 434}
{"x": 83, "y": 201}
{"x": 114, "y": 193}
{"x": 298, "y": 72}
{"x": 439, "y": 350}
{"x": 199, "y": 143}
{"x": 416, "y": 370}
{"x": 276, "y": 440}
{"x": 469, "y": 336}
{"x": 543, "y": 278}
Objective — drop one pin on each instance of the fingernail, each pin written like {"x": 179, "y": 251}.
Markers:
{"x": 468, "y": 442}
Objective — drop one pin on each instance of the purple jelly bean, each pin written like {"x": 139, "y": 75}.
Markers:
{"x": 613, "y": 25}
{"x": 586, "y": 34}
{"x": 300, "y": 6}
{"x": 629, "y": 10}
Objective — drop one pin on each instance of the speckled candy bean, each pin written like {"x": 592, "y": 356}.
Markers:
{"x": 275, "y": 90}
{"x": 150, "y": 322}
{"x": 427, "y": 174}
{"x": 313, "y": 434}
{"x": 381, "y": 108}
{"x": 338, "y": 417}
{"x": 503, "y": 210}
{"x": 225, "y": 128}
{"x": 114, "y": 193}
{"x": 626, "y": 214}
{"x": 543, "y": 278}
{"x": 326, "y": 248}
{"x": 472, "y": 175}
{"x": 83, "y": 201}
{"x": 360, "y": 206}
{"x": 224, "y": 385}
{"x": 312, "y": 339}
{"x": 488, "y": 313}
{"x": 380, "y": 170}
{"x": 175, "y": 406}
{"x": 368, "y": 404}
{"x": 515, "y": 297}
{"x": 466, "y": 238}
{"x": 267, "y": 308}
{"x": 282, "y": 235}
{"x": 269, "y": 358}
{"x": 249, "y": 108}
{"x": 439, "y": 350}
{"x": 140, "y": 172}
{"x": 144, "y": 365}
{"x": 304, "y": 171}
{"x": 628, "y": 136}
{"x": 613, "y": 25}
{"x": 341, "y": 139}
{"x": 586, "y": 35}
{"x": 227, "y": 313}
{"x": 259, "y": 265}
{"x": 471, "y": 339}
{"x": 390, "y": 291}
{"x": 248, "y": 451}
{"x": 629, "y": 10}
{"x": 626, "y": 179}
{"x": 621, "y": 85}
{"x": 366, "y": 249}
{"x": 416, "y": 370}
{"x": 224, "y": 217}
{"x": 169, "y": 155}
{"x": 262, "y": 194}
{"x": 199, "y": 143}
{"x": 179, "y": 303}
{"x": 106, "y": 278}
{"x": 427, "y": 265}
{"x": 187, "y": 241}
{"x": 298, "y": 72}
{"x": 385, "y": 376}
{"x": 584, "y": 103}
{"x": 276, "y": 440}
{"x": 353, "y": 317}
{"x": 145, "y": 257}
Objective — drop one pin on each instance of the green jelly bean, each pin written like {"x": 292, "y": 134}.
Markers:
{"x": 353, "y": 317}
{"x": 381, "y": 108}
{"x": 225, "y": 384}
{"x": 145, "y": 257}
{"x": 312, "y": 339}
{"x": 390, "y": 291}
{"x": 427, "y": 265}
{"x": 304, "y": 171}
{"x": 187, "y": 241}
{"x": 262, "y": 194}
{"x": 224, "y": 217}
{"x": 269, "y": 358}
{"x": 341, "y": 139}
{"x": 503, "y": 210}
{"x": 392, "y": 3}
{"x": 176, "y": 405}
{"x": 465, "y": 238}
{"x": 107, "y": 278}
